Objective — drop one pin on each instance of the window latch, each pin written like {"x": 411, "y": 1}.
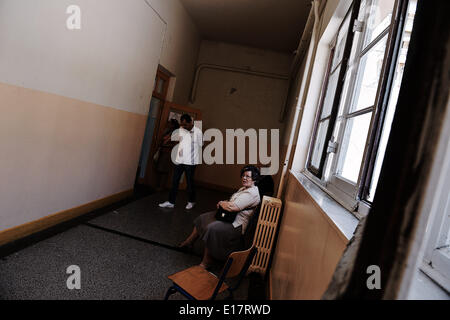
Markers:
{"x": 358, "y": 26}
{"x": 332, "y": 146}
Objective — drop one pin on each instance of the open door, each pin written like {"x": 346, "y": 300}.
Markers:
{"x": 169, "y": 111}
{"x": 152, "y": 127}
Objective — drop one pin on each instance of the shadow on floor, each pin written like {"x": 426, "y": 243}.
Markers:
{"x": 124, "y": 251}
{"x": 144, "y": 219}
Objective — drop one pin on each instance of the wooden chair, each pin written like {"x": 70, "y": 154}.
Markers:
{"x": 196, "y": 283}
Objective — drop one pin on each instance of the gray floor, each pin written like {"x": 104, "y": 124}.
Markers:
{"x": 146, "y": 220}
{"x": 113, "y": 266}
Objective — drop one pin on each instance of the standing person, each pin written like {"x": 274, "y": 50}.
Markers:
{"x": 188, "y": 156}
{"x": 163, "y": 162}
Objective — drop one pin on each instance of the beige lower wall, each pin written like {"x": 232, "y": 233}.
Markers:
{"x": 308, "y": 248}
{"x": 29, "y": 228}
{"x": 58, "y": 153}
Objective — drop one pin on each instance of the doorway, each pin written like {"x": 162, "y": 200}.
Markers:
{"x": 160, "y": 114}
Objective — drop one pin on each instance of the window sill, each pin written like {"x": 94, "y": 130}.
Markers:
{"x": 343, "y": 219}
{"x": 436, "y": 275}
{"x": 424, "y": 288}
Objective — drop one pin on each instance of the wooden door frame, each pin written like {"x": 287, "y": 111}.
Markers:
{"x": 161, "y": 126}
{"x": 165, "y": 114}
{"x": 160, "y": 74}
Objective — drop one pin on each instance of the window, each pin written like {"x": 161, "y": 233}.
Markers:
{"x": 389, "y": 114}
{"x": 330, "y": 89}
{"x": 358, "y": 100}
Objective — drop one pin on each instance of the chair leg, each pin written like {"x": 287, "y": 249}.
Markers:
{"x": 170, "y": 292}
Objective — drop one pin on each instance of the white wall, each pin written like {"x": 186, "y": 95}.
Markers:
{"x": 332, "y": 17}
{"x": 232, "y": 100}
{"x": 181, "y": 46}
{"x": 111, "y": 61}
{"x": 74, "y": 104}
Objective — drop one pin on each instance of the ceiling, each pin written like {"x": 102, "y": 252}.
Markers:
{"x": 268, "y": 24}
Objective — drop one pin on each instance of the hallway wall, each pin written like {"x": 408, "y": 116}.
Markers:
{"x": 308, "y": 249}
{"x": 74, "y": 103}
{"x": 309, "y": 243}
{"x": 231, "y": 100}
{"x": 180, "y": 46}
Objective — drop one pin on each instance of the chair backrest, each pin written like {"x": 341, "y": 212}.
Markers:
{"x": 237, "y": 265}
{"x": 266, "y": 186}
{"x": 240, "y": 261}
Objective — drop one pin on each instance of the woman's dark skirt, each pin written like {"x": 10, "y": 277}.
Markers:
{"x": 221, "y": 238}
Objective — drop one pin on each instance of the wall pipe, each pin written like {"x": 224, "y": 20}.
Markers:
{"x": 230, "y": 69}
{"x": 293, "y": 137}
{"x": 299, "y": 55}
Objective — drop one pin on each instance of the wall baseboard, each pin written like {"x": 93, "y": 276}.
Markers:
{"x": 27, "y": 229}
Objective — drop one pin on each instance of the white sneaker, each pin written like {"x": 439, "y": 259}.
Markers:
{"x": 166, "y": 204}
{"x": 190, "y": 205}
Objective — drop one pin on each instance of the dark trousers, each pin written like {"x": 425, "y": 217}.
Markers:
{"x": 177, "y": 172}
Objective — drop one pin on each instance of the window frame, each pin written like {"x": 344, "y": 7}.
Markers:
{"x": 436, "y": 258}
{"x": 353, "y": 12}
{"x": 339, "y": 183}
{"x": 355, "y": 196}
{"x": 161, "y": 76}
{"x": 387, "y": 80}
{"x": 311, "y": 168}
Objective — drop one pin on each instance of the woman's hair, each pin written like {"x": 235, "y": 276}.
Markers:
{"x": 186, "y": 118}
{"x": 174, "y": 123}
{"x": 254, "y": 170}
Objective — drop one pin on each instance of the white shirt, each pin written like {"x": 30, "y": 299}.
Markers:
{"x": 189, "y": 149}
{"x": 245, "y": 198}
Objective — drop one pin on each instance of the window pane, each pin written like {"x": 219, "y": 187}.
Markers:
{"x": 379, "y": 19}
{"x": 345, "y": 91}
{"x": 160, "y": 86}
{"x": 398, "y": 76}
{"x": 368, "y": 76}
{"x": 353, "y": 145}
{"x": 319, "y": 143}
{"x": 340, "y": 44}
{"x": 329, "y": 97}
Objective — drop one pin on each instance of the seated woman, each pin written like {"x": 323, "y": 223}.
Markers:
{"x": 222, "y": 238}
